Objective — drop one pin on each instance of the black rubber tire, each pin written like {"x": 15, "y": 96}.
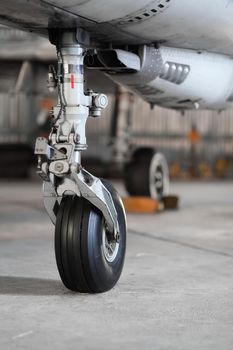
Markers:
{"x": 143, "y": 153}
{"x": 134, "y": 177}
{"x": 137, "y": 174}
{"x": 78, "y": 245}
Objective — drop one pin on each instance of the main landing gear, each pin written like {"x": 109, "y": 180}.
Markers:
{"x": 147, "y": 174}
{"x": 89, "y": 218}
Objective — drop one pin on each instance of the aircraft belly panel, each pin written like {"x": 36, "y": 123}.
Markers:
{"x": 189, "y": 24}
{"x": 102, "y": 10}
{"x": 183, "y": 23}
{"x": 196, "y": 24}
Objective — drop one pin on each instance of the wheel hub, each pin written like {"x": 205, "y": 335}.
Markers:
{"x": 110, "y": 247}
{"x": 159, "y": 177}
{"x": 159, "y": 180}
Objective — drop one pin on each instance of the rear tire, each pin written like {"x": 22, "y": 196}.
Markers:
{"x": 147, "y": 174}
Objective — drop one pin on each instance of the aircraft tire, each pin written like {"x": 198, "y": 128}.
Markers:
{"x": 87, "y": 259}
{"x": 147, "y": 174}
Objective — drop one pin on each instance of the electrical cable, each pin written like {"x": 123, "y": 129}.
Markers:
{"x": 60, "y": 84}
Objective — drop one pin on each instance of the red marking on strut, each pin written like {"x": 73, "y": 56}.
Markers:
{"x": 72, "y": 81}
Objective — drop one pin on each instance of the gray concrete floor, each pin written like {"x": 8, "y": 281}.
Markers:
{"x": 176, "y": 291}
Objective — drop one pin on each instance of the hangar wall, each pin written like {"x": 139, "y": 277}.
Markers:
{"x": 166, "y": 130}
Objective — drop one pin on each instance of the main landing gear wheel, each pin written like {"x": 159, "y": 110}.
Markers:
{"x": 88, "y": 258}
{"x": 147, "y": 174}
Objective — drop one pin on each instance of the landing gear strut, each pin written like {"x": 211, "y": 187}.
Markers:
{"x": 89, "y": 218}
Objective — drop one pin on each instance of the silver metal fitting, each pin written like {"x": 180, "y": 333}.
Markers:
{"x": 59, "y": 168}
{"x": 52, "y": 79}
{"x": 100, "y": 101}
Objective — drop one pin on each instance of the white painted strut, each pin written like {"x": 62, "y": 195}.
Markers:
{"x": 75, "y": 103}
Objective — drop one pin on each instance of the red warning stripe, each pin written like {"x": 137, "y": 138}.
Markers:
{"x": 72, "y": 81}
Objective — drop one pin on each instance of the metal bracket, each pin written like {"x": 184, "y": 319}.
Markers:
{"x": 95, "y": 192}
{"x": 51, "y": 200}
{"x": 85, "y": 185}
{"x": 43, "y": 148}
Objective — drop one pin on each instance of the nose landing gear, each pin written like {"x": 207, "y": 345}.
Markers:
{"x": 89, "y": 218}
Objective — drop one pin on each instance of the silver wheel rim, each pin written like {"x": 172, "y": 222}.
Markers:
{"x": 159, "y": 176}
{"x": 110, "y": 249}
{"x": 158, "y": 181}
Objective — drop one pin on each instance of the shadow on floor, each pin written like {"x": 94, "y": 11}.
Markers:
{"x": 12, "y": 285}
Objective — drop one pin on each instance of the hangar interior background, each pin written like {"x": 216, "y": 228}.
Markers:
{"x": 197, "y": 144}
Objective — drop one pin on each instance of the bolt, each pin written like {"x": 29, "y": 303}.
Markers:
{"x": 100, "y": 101}
{"x": 76, "y": 138}
{"x": 59, "y": 167}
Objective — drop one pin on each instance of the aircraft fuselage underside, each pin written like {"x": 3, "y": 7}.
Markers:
{"x": 194, "y": 66}
{"x": 199, "y": 25}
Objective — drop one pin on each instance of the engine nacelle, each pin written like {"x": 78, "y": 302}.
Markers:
{"x": 191, "y": 79}
{"x": 181, "y": 78}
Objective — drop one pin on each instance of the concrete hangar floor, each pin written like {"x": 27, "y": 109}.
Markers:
{"x": 175, "y": 291}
